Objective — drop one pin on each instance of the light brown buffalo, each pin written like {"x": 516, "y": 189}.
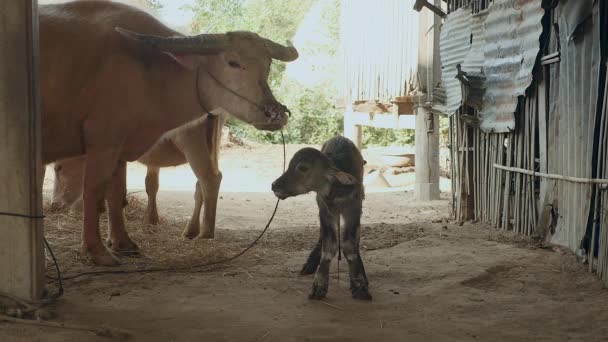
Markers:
{"x": 114, "y": 79}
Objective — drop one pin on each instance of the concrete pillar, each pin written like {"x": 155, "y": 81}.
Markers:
{"x": 21, "y": 238}
{"x": 427, "y": 124}
{"x": 427, "y": 154}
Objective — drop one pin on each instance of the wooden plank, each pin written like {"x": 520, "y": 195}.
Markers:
{"x": 382, "y": 120}
{"x": 352, "y": 130}
{"x": 21, "y": 242}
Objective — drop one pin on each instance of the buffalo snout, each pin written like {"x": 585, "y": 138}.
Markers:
{"x": 278, "y": 188}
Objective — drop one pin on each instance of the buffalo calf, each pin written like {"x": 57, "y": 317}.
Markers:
{"x": 335, "y": 173}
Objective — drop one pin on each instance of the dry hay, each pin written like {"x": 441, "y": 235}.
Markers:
{"x": 162, "y": 246}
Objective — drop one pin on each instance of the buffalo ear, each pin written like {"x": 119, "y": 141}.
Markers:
{"x": 343, "y": 177}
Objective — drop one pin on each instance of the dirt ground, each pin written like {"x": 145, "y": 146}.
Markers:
{"x": 431, "y": 280}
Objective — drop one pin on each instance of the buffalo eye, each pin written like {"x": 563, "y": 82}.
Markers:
{"x": 234, "y": 64}
{"x": 302, "y": 168}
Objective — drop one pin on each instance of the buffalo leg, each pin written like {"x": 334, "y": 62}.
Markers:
{"x": 350, "y": 245}
{"x": 329, "y": 247}
{"x": 118, "y": 239}
{"x": 100, "y": 166}
{"x": 151, "y": 216}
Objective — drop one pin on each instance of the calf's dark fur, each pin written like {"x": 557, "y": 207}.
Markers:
{"x": 336, "y": 174}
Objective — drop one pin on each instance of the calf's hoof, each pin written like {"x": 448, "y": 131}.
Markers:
{"x": 318, "y": 292}
{"x": 309, "y": 268}
{"x": 125, "y": 247}
{"x": 361, "y": 293}
{"x": 101, "y": 258}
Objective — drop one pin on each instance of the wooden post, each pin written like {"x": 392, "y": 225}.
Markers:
{"x": 352, "y": 131}
{"x": 427, "y": 123}
{"x": 427, "y": 154}
{"x": 21, "y": 239}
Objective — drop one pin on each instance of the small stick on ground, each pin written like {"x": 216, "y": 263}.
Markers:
{"x": 333, "y": 306}
{"x": 263, "y": 336}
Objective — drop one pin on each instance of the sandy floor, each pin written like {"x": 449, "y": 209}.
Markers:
{"x": 431, "y": 280}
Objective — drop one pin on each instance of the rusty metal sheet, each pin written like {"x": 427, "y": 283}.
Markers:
{"x": 512, "y": 30}
{"x": 474, "y": 60}
{"x": 454, "y": 45}
{"x": 497, "y": 48}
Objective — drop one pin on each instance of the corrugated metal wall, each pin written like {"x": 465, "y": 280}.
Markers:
{"x": 499, "y": 45}
{"x": 561, "y": 132}
{"x": 571, "y": 147}
{"x": 379, "y": 44}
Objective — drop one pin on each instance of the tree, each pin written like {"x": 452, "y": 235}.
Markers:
{"x": 314, "y": 117}
{"x": 153, "y": 4}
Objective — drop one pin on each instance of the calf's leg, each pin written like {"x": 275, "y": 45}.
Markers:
{"x": 206, "y": 194}
{"x": 310, "y": 267}
{"x": 329, "y": 247}
{"x": 151, "y": 216}
{"x": 194, "y": 226}
{"x": 118, "y": 239}
{"x": 100, "y": 166}
{"x": 350, "y": 245}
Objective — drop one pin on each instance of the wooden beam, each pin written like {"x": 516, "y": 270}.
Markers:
{"x": 21, "y": 239}
{"x": 381, "y": 120}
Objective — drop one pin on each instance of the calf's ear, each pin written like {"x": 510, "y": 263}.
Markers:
{"x": 343, "y": 177}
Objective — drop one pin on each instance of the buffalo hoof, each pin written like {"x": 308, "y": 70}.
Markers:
{"x": 190, "y": 234}
{"x": 318, "y": 292}
{"x": 309, "y": 268}
{"x": 151, "y": 218}
{"x": 361, "y": 293}
{"x": 126, "y": 247}
{"x": 102, "y": 258}
{"x": 206, "y": 235}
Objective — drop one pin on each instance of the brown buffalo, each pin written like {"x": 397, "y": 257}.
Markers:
{"x": 114, "y": 79}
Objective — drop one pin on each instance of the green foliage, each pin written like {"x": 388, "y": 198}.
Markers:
{"x": 277, "y": 20}
{"x": 154, "y": 4}
{"x": 314, "y": 118}
{"x": 385, "y": 137}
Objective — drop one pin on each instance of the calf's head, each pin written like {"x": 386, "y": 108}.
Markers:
{"x": 232, "y": 71}
{"x": 67, "y": 189}
{"x": 309, "y": 170}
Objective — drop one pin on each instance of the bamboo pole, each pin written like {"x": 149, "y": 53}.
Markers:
{"x": 553, "y": 176}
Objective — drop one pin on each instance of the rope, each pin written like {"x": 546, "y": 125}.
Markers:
{"x": 33, "y": 217}
{"x": 170, "y": 269}
{"x": 60, "y": 278}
